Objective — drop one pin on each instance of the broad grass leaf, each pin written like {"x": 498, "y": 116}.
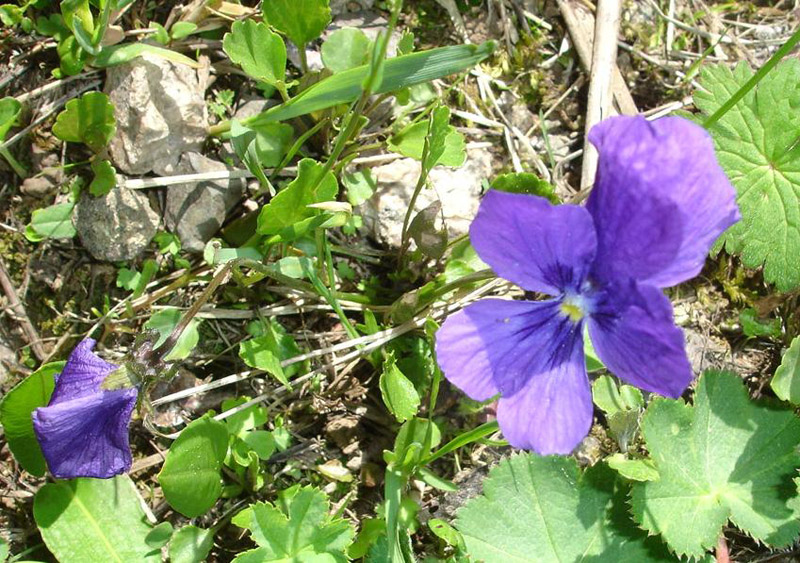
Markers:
{"x": 88, "y": 120}
{"x": 15, "y": 416}
{"x": 91, "y": 520}
{"x": 757, "y": 146}
{"x": 301, "y": 20}
{"x": 258, "y": 50}
{"x": 296, "y": 528}
{"x": 345, "y": 49}
{"x": 290, "y": 205}
{"x": 544, "y": 509}
{"x": 191, "y": 478}
{"x": 727, "y": 458}
{"x": 786, "y": 382}
{"x": 398, "y": 73}
{"x": 190, "y": 544}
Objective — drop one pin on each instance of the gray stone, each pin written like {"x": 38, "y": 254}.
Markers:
{"x": 117, "y": 226}
{"x": 161, "y": 113}
{"x": 458, "y": 189}
{"x": 196, "y": 211}
{"x": 7, "y": 360}
{"x": 342, "y": 6}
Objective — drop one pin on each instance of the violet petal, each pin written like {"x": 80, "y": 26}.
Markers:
{"x": 496, "y": 346}
{"x": 88, "y": 436}
{"x": 552, "y": 413}
{"x": 82, "y": 375}
{"x": 660, "y": 199}
{"x": 533, "y": 243}
{"x": 634, "y": 336}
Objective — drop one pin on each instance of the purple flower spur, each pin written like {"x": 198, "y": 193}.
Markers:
{"x": 83, "y": 431}
{"x": 659, "y": 202}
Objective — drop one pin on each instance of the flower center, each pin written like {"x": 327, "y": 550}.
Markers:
{"x": 573, "y": 307}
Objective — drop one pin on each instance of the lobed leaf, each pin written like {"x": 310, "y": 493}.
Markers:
{"x": 88, "y": 120}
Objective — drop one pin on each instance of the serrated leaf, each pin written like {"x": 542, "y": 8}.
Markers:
{"x": 190, "y": 477}
{"x": 190, "y": 544}
{"x": 105, "y": 178}
{"x": 15, "y": 416}
{"x": 88, "y": 120}
{"x": 90, "y": 520}
{"x": 10, "y": 109}
{"x": 543, "y": 507}
{"x": 297, "y": 528}
{"x": 54, "y": 221}
{"x": 301, "y": 20}
{"x": 398, "y": 73}
{"x": 757, "y": 146}
{"x": 447, "y": 146}
{"x": 165, "y": 321}
{"x": 399, "y": 394}
{"x": 345, "y": 49}
{"x": 258, "y": 50}
{"x": 786, "y": 382}
{"x": 725, "y": 458}
{"x": 290, "y": 206}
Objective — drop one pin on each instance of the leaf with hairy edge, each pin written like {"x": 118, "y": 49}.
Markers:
{"x": 91, "y": 520}
{"x": 757, "y": 145}
{"x": 725, "y": 458}
{"x": 297, "y": 528}
{"x": 544, "y": 509}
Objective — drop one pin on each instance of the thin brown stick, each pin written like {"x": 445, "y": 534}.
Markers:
{"x": 21, "y": 315}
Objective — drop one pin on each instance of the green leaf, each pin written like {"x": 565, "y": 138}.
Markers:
{"x": 346, "y": 48}
{"x": 545, "y": 506}
{"x": 105, "y": 178}
{"x": 15, "y": 416}
{"x": 725, "y": 458}
{"x": 180, "y": 30}
{"x": 754, "y": 327}
{"x": 3, "y": 543}
{"x": 360, "y": 186}
{"x": 611, "y": 399}
{"x": 786, "y": 382}
{"x": 301, "y": 20}
{"x": 72, "y": 57}
{"x": 159, "y": 535}
{"x": 88, "y": 120}
{"x": 10, "y": 15}
{"x": 757, "y": 146}
{"x": 262, "y": 442}
{"x": 298, "y": 528}
{"x": 258, "y": 50}
{"x": 243, "y": 421}
{"x": 291, "y": 204}
{"x": 447, "y": 146}
{"x": 165, "y": 321}
{"x": 54, "y": 221}
{"x": 191, "y": 544}
{"x": 10, "y": 109}
{"x": 525, "y": 183}
{"x": 90, "y": 520}
{"x": 191, "y": 477}
{"x": 260, "y": 353}
{"x": 126, "y": 52}
{"x": 398, "y": 73}
{"x": 633, "y": 469}
{"x": 399, "y": 394}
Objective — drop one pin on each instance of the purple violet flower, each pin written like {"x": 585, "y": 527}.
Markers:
{"x": 659, "y": 202}
{"x": 83, "y": 431}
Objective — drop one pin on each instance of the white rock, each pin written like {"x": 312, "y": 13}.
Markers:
{"x": 117, "y": 226}
{"x": 160, "y": 111}
{"x": 458, "y": 189}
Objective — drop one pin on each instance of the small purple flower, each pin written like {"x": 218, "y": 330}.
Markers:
{"x": 659, "y": 202}
{"x": 83, "y": 431}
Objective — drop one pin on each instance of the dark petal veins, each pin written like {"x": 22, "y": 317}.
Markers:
{"x": 533, "y": 243}
{"x": 87, "y": 436}
{"x": 532, "y": 354}
{"x": 660, "y": 199}
{"x": 634, "y": 335}
{"x": 82, "y": 375}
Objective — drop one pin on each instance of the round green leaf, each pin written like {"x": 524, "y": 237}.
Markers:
{"x": 345, "y": 49}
